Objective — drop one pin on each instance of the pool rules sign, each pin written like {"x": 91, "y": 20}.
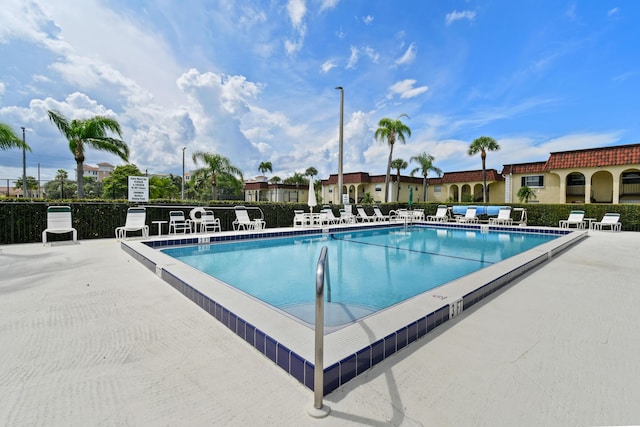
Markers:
{"x": 138, "y": 189}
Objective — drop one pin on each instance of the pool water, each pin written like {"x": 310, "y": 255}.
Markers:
{"x": 369, "y": 270}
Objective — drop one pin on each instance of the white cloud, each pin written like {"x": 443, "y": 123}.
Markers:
{"x": 613, "y": 11}
{"x": 409, "y": 55}
{"x": 328, "y": 4}
{"x": 327, "y": 66}
{"x": 296, "y": 10}
{"x": 405, "y": 89}
{"x": 353, "y": 58}
{"x": 2, "y": 88}
{"x": 456, "y": 16}
{"x": 367, "y": 20}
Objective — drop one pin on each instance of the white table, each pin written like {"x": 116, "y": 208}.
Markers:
{"x": 159, "y": 224}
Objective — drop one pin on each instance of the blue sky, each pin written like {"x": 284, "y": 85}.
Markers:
{"x": 255, "y": 80}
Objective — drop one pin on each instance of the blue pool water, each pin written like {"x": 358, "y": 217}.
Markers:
{"x": 369, "y": 270}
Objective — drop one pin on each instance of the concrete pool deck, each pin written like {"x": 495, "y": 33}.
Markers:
{"x": 88, "y": 336}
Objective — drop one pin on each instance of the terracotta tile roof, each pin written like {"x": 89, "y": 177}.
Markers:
{"x": 363, "y": 177}
{"x": 470, "y": 176}
{"x": 521, "y": 168}
{"x": 594, "y": 157}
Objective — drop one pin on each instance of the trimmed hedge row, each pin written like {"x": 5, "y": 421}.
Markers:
{"x": 23, "y": 222}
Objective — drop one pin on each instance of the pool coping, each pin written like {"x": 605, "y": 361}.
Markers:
{"x": 351, "y": 350}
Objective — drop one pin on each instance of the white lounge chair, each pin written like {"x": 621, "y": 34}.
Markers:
{"x": 503, "y": 218}
{"x": 243, "y": 221}
{"x": 379, "y": 215}
{"x": 178, "y": 223}
{"x": 209, "y": 222}
{"x": 441, "y": 215}
{"x": 136, "y": 221}
{"x": 611, "y": 220}
{"x": 328, "y": 217}
{"x": 59, "y": 222}
{"x": 399, "y": 215}
{"x": 469, "y": 216}
{"x": 347, "y": 217}
{"x": 575, "y": 218}
{"x": 417, "y": 214}
{"x": 362, "y": 215}
{"x": 298, "y": 218}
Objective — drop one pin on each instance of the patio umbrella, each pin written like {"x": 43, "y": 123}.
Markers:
{"x": 312, "y": 195}
{"x": 410, "y": 196}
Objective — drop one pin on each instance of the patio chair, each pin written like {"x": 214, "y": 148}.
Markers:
{"x": 298, "y": 218}
{"x": 417, "y": 214}
{"x": 399, "y": 215}
{"x": 208, "y": 222}
{"x": 59, "y": 222}
{"x": 575, "y": 218}
{"x": 329, "y": 217}
{"x": 379, "y": 215}
{"x": 469, "y": 216}
{"x": 136, "y": 221}
{"x": 362, "y": 215}
{"x": 441, "y": 215}
{"x": 611, "y": 220}
{"x": 178, "y": 223}
{"x": 243, "y": 221}
{"x": 503, "y": 218}
{"x": 347, "y": 217}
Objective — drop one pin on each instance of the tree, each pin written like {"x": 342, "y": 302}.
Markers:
{"x": 391, "y": 130}
{"x": 32, "y": 184}
{"x": 219, "y": 167}
{"x": 60, "y": 186}
{"x": 525, "y": 193}
{"x": 398, "y": 164}
{"x": 425, "y": 162}
{"x": 89, "y": 133}
{"x": 482, "y": 145}
{"x": 162, "y": 187}
{"x": 311, "y": 171}
{"x": 296, "y": 179}
{"x": 92, "y": 187}
{"x": 9, "y": 139}
{"x": 116, "y": 185}
{"x": 265, "y": 166}
{"x": 275, "y": 180}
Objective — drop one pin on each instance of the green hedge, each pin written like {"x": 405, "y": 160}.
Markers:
{"x": 23, "y": 222}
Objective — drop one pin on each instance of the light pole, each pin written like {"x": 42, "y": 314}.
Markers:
{"x": 183, "y": 148}
{"x": 340, "y": 144}
{"x": 24, "y": 166}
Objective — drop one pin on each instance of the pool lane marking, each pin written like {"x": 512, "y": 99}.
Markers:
{"x": 411, "y": 250}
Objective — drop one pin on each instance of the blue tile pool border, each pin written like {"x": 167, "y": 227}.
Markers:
{"x": 361, "y": 360}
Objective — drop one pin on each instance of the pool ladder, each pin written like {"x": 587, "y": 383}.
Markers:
{"x": 322, "y": 274}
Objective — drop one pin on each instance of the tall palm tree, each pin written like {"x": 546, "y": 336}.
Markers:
{"x": 398, "y": 164}
{"x": 219, "y": 167}
{"x": 9, "y": 139}
{"x": 275, "y": 180}
{"x": 265, "y": 166}
{"x": 391, "y": 130}
{"x": 311, "y": 171}
{"x": 92, "y": 133}
{"x": 482, "y": 145}
{"x": 425, "y": 162}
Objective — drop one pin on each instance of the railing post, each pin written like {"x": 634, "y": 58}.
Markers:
{"x": 319, "y": 410}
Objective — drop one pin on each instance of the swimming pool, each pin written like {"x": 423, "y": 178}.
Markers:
{"x": 370, "y": 270}
{"x": 352, "y": 349}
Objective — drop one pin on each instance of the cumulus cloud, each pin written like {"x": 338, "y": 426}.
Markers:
{"x": 326, "y": 67}
{"x": 409, "y": 55}
{"x": 296, "y": 10}
{"x": 405, "y": 89}
{"x": 457, "y": 16}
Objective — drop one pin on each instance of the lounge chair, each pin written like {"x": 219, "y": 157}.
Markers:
{"x": 575, "y": 218}
{"x": 469, "y": 216}
{"x": 347, "y": 217}
{"x": 59, "y": 222}
{"x": 136, "y": 221}
{"x": 417, "y": 214}
{"x": 441, "y": 215}
{"x": 243, "y": 221}
{"x": 399, "y": 215}
{"x": 328, "y": 217}
{"x": 178, "y": 223}
{"x": 611, "y": 220}
{"x": 503, "y": 218}
{"x": 208, "y": 222}
{"x": 379, "y": 215}
{"x": 362, "y": 215}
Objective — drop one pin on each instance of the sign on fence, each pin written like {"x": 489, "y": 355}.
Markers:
{"x": 138, "y": 189}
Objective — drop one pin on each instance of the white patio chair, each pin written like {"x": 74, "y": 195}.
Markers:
{"x": 208, "y": 222}
{"x": 469, "y": 216}
{"x": 136, "y": 221}
{"x": 503, "y": 218}
{"x": 243, "y": 221}
{"x": 59, "y": 222}
{"x": 362, "y": 215}
{"x": 178, "y": 223}
{"x": 611, "y": 220}
{"x": 441, "y": 215}
{"x": 575, "y": 218}
{"x": 379, "y": 215}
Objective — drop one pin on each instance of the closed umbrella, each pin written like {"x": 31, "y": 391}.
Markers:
{"x": 312, "y": 195}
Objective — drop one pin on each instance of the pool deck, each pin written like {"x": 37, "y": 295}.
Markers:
{"x": 88, "y": 336}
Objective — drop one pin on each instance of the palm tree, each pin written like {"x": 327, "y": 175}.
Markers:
{"x": 482, "y": 145}
{"x": 9, "y": 139}
{"x": 275, "y": 180}
{"x": 390, "y": 131}
{"x": 525, "y": 193}
{"x": 91, "y": 133}
{"x": 311, "y": 171}
{"x": 219, "y": 167}
{"x": 265, "y": 166}
{"x": 398, "y": 164}
{"x": 426, "y": 165}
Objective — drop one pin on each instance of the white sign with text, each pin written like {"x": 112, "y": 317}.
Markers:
{"x": 138, "y": 189}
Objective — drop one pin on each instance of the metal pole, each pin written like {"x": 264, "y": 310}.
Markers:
{"x": 340, "y": 135}
{"x": 24, "y": 166}
{"x": 183, "y": 148}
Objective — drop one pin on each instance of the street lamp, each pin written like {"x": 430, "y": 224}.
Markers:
{"x": 340, "y": 144}
{"x": 183, "y": 148}
{"x": 24, "y": 166}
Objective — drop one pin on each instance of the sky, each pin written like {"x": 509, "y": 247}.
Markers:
{"x": 255, "y": 81}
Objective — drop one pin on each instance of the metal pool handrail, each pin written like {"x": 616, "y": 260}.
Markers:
{"x": 322, "y": 274}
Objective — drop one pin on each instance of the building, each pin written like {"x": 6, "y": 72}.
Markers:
{"x": 99, "y": 172}
{"x": 259, "y": 189}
